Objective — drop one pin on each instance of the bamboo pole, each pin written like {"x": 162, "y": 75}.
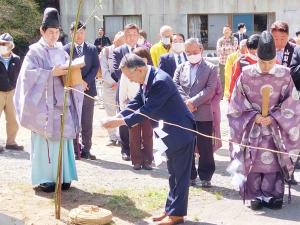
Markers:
{"x": 59, "y": 166}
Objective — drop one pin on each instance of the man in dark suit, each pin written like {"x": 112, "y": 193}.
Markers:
{"x": 284, "y": 48}
{"x": 159, "y": 99}
{"x": 196, "y": 81}
{"x": 102, "y": 40}
{"x": 131, "y": 34}
{"x": 241, "y": 34}
{"x": 168, "y": 62}
{"x": 295, "y": 72}
{"x": 88, "y": 73}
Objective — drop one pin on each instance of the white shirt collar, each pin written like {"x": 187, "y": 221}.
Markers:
{"x": 76, "y": 45}
{"x": 129, "y": 47}
{"x": 147, "y": 75}
{"x": 272, "y": 71}
{"x": 44, "y": 43}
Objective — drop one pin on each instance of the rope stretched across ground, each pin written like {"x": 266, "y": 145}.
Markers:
{"x": 191, "y": 130}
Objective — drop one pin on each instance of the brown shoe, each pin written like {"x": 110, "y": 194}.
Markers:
{"x": 159, "y": 217}
{"x": 172, "y": 220}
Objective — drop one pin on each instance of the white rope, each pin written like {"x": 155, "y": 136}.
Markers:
{"x": 191, "y": 130}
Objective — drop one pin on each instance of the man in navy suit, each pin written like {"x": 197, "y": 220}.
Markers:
{"x": 159, "y": 99}
{"x": 131, "y": 34}
{"x": 169, "y": 62}
{"x": 241, "y": 33}
{"x": 88, "y": 73}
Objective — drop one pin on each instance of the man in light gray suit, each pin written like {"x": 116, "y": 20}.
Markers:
{"x": 196, "y": 81}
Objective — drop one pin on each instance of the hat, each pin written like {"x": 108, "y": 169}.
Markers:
{"x": 266, "y": 47}
{"x": 51, "y": 18}
{"x": 6, "y": 37}
{"x": 79, "y": 25}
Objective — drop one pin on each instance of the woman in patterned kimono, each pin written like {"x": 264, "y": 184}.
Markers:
{"x": 39, "y": 101}
{"x": 264, "y": 171}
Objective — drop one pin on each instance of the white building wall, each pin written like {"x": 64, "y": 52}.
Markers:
{"x": 155, "y": 13}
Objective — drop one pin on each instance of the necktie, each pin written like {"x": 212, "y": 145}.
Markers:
{"x": 132, "y": 49}
{"x": 79, "y": 50}
{"x": 179, "y": 60}
{"x": 144, "y": 92}
{"x": 241, "y": 37}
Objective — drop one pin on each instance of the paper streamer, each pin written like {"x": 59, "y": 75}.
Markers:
{"x": 158, "y": 144}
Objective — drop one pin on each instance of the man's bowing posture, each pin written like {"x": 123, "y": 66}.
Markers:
{"x": 159, "y": 99}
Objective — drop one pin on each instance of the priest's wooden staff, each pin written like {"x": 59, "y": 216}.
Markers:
{"x": 59, "y": 165}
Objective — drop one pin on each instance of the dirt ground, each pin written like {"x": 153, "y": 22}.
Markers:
{"x": 132, "y": 196}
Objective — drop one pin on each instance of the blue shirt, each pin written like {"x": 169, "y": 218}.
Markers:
{"x": 5, "y": 61}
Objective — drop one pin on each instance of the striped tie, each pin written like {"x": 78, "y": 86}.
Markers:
{"x": 79, "y": 50}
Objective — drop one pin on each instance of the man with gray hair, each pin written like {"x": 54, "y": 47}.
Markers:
{"x": 10, "y": 65}
{"x": 196, "y": 81}
{"x": 159, "y": 99}
{"x": 163, "y": 46}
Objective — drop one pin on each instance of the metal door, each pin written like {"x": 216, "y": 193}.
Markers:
{"x": 215, "y": 29}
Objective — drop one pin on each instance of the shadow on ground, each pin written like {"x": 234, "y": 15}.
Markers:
{"x": 15, "y": 154}
{"x": 289, "y": 212}
{"x": 159, "y": 172}
{"x": 223, "y": 192}
{"x": 120, "y": 205}
{"x": 8, "y": 220}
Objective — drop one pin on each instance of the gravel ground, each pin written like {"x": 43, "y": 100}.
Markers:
{"x": 220, "y": 205}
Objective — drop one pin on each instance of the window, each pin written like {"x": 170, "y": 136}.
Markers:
{"x": 260, "y": 22}
{"x": 198, "y": 28}
{"x": 114, "y": 24}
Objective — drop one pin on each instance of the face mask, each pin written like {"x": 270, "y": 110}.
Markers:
{"x": 3, "y": 49}
{"x": 140, "y": 41}
{"x": 166, "y": 40}
{"x": 178, "y": 47}
{"x": 194, "y": 58}
{"x": 244, "y": 31}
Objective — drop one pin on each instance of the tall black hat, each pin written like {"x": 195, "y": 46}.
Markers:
{"x": 266, "y": 47}
{"x": 51, "y": 18}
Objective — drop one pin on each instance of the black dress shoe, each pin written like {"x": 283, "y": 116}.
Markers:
{"x": 297, "y": 165}
{"x": 293, "y": 181}
{"x": 274, "y": 203}
{"x": 193, "y": 182}
{"x": 15, "y": 147}
{"x": 87, "y": 155}
{"x": 147, "y": 167}
{"x": 137, "y": 167}
{"x": 47, "y": 187}
{"x": 65, "y": 186}
{"x": 125, "y": 157}
{"x": 256, "y": 204}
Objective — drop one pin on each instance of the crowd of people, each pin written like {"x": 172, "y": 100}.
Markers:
{"x": 170, "y": 80}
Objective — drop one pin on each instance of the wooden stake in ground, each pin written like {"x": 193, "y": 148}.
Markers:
{"x": 265, "y": 101}
{"x": 59, "y": 166}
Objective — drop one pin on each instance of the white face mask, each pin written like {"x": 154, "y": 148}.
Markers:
{"x": 166, "y": 40}
{"x": 3, "y": 49}
{"x": 194, "y": 58}
{"x": 244, "y": 31}
{"x": 178, "y": 47}
{"x": 140, "y": 41}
